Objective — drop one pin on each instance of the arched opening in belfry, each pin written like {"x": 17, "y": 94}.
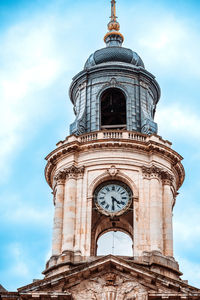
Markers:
{"x": 115, "y": 243}
{"x": 113, "y": 109}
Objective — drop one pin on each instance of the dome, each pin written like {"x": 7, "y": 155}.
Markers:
{"x": 114, "y": 54}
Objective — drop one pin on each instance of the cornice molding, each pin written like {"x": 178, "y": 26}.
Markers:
{"x": 122, "y": 140}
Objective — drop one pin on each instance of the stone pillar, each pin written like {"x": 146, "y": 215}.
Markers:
{"x": 70, "y": 209}
{"x": 156, "y": 234}
{"x": 83, "y": 235}
{"x": 144, "y": 217}
{"x": 155, "y": 208}
{"x": 167, "y": 216}
{"x": 78, "y": 223}
{"x": 58, "y": 214}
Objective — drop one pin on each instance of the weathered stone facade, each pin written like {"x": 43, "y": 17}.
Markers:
{"x": 134, "y": 156}
{"x": 147, "y": 164}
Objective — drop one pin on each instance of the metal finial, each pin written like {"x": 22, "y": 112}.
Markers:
{"x": 113, "y": 37}
{"x": 113, "y": 10}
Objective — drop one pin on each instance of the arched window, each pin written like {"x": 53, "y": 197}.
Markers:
{"x": 116, "y": 243}
{"x": 113, "y": 109}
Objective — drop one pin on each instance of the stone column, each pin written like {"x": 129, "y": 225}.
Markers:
{"x": 155, "y": 208}
{"x": 70, "y": 209}
{"x": 156, "y": 235}
{"x": 144, "y": 217}
{"x": 58, "y": 214}
{"x": 78, "y": 223}
{"x": 167, "y": 215}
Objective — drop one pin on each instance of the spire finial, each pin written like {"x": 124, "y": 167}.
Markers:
{"x": 113, "y": 37}
{"x": 113, "y": 11}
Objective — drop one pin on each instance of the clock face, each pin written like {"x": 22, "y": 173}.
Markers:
{"x": 112, "y": 198}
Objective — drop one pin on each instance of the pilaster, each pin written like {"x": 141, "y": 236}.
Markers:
{"x": 69, "y": 216}
{"x": 155, "y": 207}
{"x": 58, "y": 213}
{"x": 168, "y": 198}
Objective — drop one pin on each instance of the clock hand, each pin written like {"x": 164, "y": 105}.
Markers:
{"x": 113, "y": 199}
{"x": 113, "y": 205}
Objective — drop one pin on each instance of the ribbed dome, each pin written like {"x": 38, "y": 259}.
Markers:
{"x": 112, "y": 54}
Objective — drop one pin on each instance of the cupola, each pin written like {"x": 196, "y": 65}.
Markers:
{"x": 114, "y": 90}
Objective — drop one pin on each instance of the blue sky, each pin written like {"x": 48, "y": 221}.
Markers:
{"x": 43, "y": 45}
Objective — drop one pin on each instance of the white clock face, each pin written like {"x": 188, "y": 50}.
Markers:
{"x": 113, "y": 197}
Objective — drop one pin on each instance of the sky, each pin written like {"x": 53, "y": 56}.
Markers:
{"x": 43, "y": 44}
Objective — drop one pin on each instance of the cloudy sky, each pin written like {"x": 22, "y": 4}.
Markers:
{"x": 43, "y": 44}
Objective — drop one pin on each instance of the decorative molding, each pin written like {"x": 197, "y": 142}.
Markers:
{"x": 133, "y": 141}
{"x": 60, "y": 177}
{"x": 155, "y": 172}
{"x": 71, "y": 172}
{"x": 105, "y": 176}
{"x": 74, "y": 172}
{"x": 113, "y": 82}
{"x": 110, "y": 286}
{"x": 110, "y": 279}
{"x": 112, "y": 171}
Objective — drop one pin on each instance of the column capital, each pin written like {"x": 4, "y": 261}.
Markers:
{"x": 156, "y": 172}
{"x": 60, "y": 177}
{"x": 151, "y": 172}
{"x": 71, "y": 172}
{"x": 74, "y": 172}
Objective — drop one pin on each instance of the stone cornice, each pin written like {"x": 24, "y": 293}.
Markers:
{"x": 122, "y": 140}
{"x": 114, "y": 264}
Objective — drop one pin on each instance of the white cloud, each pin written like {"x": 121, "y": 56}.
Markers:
{"x": 181, "y": 122}
{"x": 29, "y": 63}
{"x": 187, "y": 233}
{"x": 164, "y": 38}
{"x": 18, "y": 260}
{"x": 16, "y": 211}
{"x": 169, "y": 42}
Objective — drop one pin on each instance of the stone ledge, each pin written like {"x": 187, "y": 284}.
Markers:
{"x": 114, "y": 139}
{"x": 154, "y": 260}
{"x": 159, "y": 263}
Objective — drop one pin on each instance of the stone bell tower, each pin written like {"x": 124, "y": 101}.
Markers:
{"x": 112, "y": 173}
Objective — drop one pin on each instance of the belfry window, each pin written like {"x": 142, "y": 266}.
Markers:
{"x": 113, "y": 109}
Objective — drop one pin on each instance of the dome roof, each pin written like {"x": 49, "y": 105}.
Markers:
{"x": 114, "y": 54}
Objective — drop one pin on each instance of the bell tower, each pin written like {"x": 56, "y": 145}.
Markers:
{"x": 114, "y": 172}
